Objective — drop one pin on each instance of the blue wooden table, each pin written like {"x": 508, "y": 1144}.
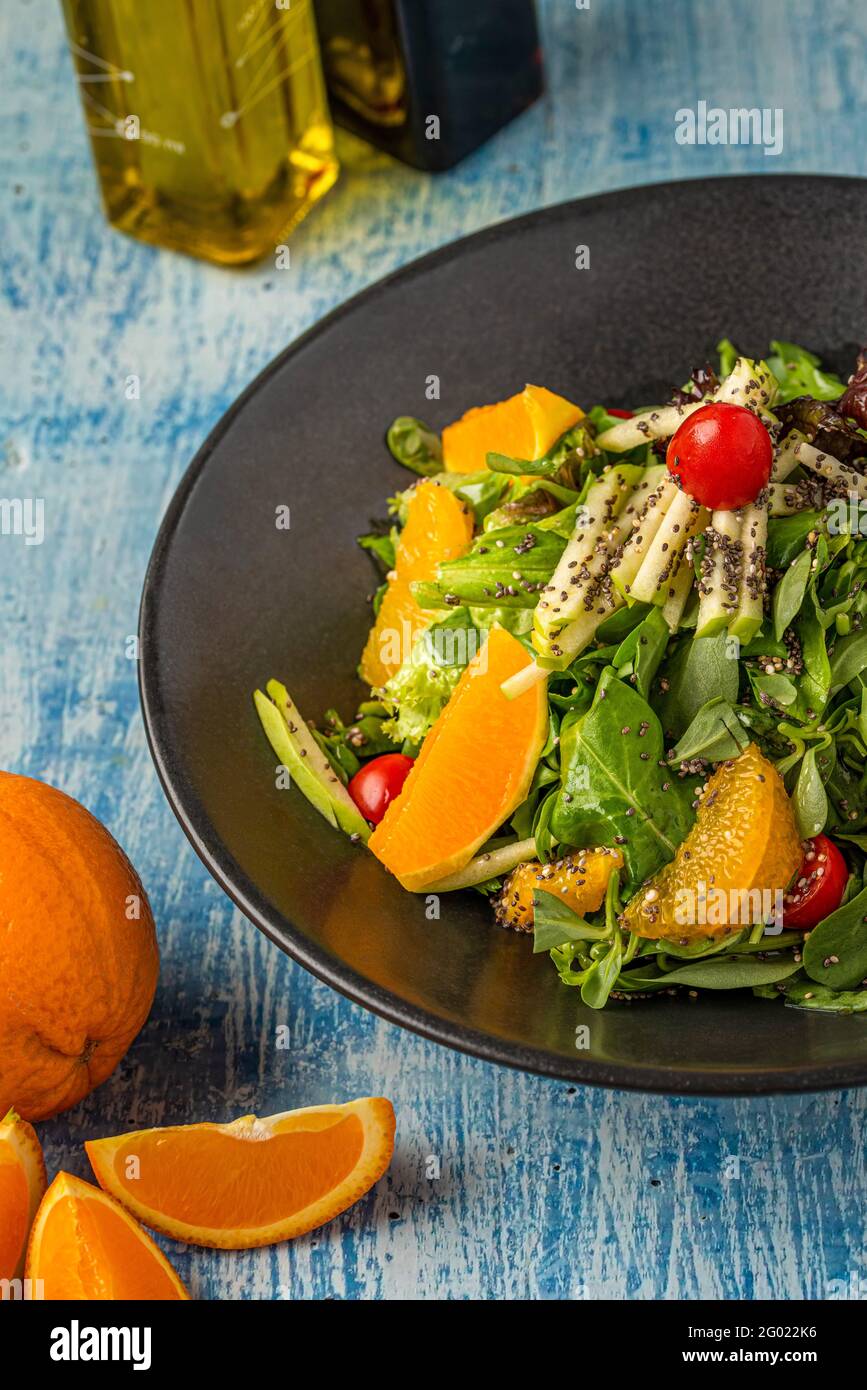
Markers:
{"x": 544, "y": 1191}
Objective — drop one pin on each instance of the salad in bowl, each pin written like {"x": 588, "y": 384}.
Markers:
{"x": 617, "y": 676}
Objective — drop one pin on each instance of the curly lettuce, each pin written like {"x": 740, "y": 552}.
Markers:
{"x": 420, "y": 689}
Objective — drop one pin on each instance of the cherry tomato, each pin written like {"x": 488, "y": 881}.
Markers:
{"x": 721, "y": 455}
{"x": 378, "y": 783}
{"x": 621, "y": 414}
{"x": 826, "y": 873}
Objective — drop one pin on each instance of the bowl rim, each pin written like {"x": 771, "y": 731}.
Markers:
{"x": 222, "y": 867}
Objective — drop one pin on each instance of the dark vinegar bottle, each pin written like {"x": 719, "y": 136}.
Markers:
{"x": 429, "y": 80}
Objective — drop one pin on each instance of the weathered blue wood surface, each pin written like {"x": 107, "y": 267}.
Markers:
{"x": 545, "y": 1191}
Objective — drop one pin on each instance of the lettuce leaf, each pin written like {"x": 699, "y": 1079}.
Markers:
{"x": 417, "y": 693}
{"x": 799, "y": 374}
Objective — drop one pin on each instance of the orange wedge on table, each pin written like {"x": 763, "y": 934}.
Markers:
{"x": 85, "y": 1246}
{"x": 744, "y": 842}
{"x": 252, "y": 1182}
{"x": 473, "y": 771}
{"x": 439, "y": 526}
{"x": 22, "y": 1183}
{"x": 525, "y": 426}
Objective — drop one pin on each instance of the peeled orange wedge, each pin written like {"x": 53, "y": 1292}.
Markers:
{"x": 579, "y": 880}
{"x": 742, "y": 850}
{"x": 85, "y": 1246}
{"x": 439, "y": 526}
{"x": 22, "y": 1183}
{"x": 525, "y": 426}
{"x": 251, "y": 1182}
{"x": 473, "y": 771}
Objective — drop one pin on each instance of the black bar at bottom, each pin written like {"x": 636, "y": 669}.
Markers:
{"x": 157, "y": 1337}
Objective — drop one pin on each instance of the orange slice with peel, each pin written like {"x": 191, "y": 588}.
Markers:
{"x": 525, "y": 426}
{"x": 579, "y": 880}
{"x": 85, "y": 1246}
{"x": 742, "y": 850}
{"x": 439, "y": 526}
{"x": 473, "y": 771}
{"x": 252, "y": 1182}
{"x": 22, "y": 1184}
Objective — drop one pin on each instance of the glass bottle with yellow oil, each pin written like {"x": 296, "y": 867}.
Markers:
{"x": 208, "y": 119}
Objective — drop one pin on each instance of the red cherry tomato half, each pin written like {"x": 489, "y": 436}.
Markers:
{"x": 378, "y": 783}
{"x": 721, "y": 455}
{"x": 621, "y": 414}
{"x": 826, "y": 873}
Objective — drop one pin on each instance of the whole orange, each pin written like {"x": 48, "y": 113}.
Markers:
{"x": 78, "y": 950}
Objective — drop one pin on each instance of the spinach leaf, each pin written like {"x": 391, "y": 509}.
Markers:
{"x": 640, "y": 653}
{"x": 612, "y": 785}
{"x": 722, "y": 972}
{"x": 554, "y": 923}
{"x": 775, "y": 689}
{"x": 805, "y": 994}
{"x": 815, "y": 682}
{"x": 787, "y": 537}
{"x": 415, "y": 446}
{"x": 701, "y": 669}
{"x": 545, "y": 841}
{"x": 810, "y": 801}
{"x": 602, "y": 976}
{"x": 849, "y": 659}
{"x": 842, "y": 935}
{"x": 715, "y": 734}
{"x": 621, "y": 622}
{"x": 789, "y": 593}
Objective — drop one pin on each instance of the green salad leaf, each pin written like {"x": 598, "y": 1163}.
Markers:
{"x": 789, "y": 593}
{"x": 835, "y": 953}
{"x": 415, "y": 446}
{"x": 419, "y": 690}
{"x": 806, "y": 994}
{"x": 799, "y": 373}
{"x": 615, "y": 787}
{"x": 721, "y": 972}
{"x": 555, "y": 923}
{"x": 503, "y": 569}
{"x": 714, "y": 734}
{"x": 642, "y": 650}
{"x": 702, "y": 669}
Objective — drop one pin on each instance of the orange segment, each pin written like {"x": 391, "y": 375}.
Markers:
{"x": 474, "y": 770}
{"x": 438, "y": 527}
{"x": 525, "y": 426}
{"x": 85, "y": 1246}
{"x": 744, "y": 842}
{"x": 579, "y": 880}
{"x": 22, "y": 1183}
{"x": 251, "y": 1182}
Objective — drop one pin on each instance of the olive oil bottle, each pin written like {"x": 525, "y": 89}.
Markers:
{"x": 208, "y": 119}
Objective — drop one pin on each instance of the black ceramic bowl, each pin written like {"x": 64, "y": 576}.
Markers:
{"x": 230, "y": 600}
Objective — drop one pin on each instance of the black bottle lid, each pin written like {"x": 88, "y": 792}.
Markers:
{"x": 429, "y": 80}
